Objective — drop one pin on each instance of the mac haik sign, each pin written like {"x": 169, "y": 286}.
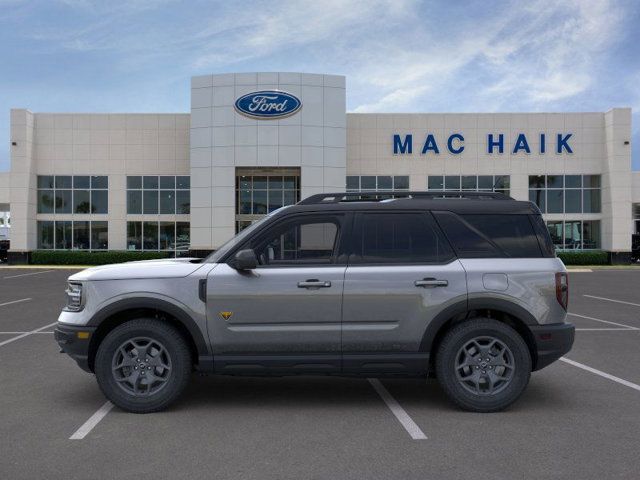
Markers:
{"x": 495, "y": 143}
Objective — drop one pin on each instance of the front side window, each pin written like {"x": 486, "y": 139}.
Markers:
{"x": 398, "y": 238}
{"x": 301, "y": 241}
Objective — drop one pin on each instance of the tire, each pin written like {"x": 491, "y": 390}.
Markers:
{"x": 152, "y": 365}
{"x": 491, "y": 386}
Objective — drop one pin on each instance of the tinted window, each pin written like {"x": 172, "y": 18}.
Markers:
{"x": 513, "y": 234}
{"x": 302, "y": 241}
{"x": 544, "y": 239}
{"x": 467, "y": 242}
{"x": 398, "y": 238}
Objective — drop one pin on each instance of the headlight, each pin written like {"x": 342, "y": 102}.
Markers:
{"x": 74, "y": 297}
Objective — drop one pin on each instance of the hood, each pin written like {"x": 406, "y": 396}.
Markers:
{"x": 164, "y": 268}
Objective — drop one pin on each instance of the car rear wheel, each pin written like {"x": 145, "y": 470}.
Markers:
{"x": 143, "y": 365}
{"x": 483, "y": 365}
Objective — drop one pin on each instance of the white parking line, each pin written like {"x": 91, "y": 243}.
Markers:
{"x": 13, "y": 339}
{"x": 403, "y": 417}
{"x": 605, "y": 329}
{"x": 612, "y": 300}
{"x": 26, "y": 274}
{"x": 16, "y": 333}
{"x": 627, "y": 327}
{"x": 619, "y": 380}
{"x": 15, "y": 301}
{"x": 87, "y": 426}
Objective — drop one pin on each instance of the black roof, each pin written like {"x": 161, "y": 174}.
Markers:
{"x": 457, "y": 202}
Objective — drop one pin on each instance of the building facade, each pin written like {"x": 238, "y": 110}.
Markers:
{"x": 254, "y": 142}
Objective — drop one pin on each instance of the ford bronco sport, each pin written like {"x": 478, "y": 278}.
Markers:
{"x": 462, "y": 286}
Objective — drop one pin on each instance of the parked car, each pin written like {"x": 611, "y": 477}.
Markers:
{"x": 463, "y": 286}
{"x": 4, "y": 249}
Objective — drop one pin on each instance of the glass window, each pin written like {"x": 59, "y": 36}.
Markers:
{"x": 134, "y": 202}
{"x": 182, "y": 236}
{"x": 572, "y": 235}
{"x": 276, "y": 183}
{"x": 150, "y": 182}
{"x": 45, "y": 181}
{"x": 81, "y": 182}
{"x": 64, "y": 235}
{"x": 167, "y": 202}
{"x": 557, "y": 234}
{"x": 573, "y": 181}
{"x": 259, "y": 200}
{"x": 435, "y": 182}
{"x": 275, "y": 199}
{"x": 367, "y": 183}
{"x": 502, "y": 182}
{"x": 167, "y": 183}
{"x": 81, "y": 236}
{"x": 150, "y": 235}
{"x": 513, "y": 234}
{"x": 45, "y": 201}
{"x": 100, "y": 182}
{"x": 134, "y": 235}
{"x": 81, "y": 201}
{"x": 538, "y": 197}
{"x": 150, "y": 202}
{"x": 63, "y": 201}
{"x": 591, "y": 201}
{"x": 573, "y": 201}
{"x": 591, "y": 234}
{"x": 555, "y": 200}
{"x": 183, "y": 182}
{"x": 99, "y": 236}
{"x": 353, "y": 183}
{"x": 469, "y": 182}
{"x": 134, "y": 182}
{"x": 167, "y": 235}
{"x": 401, "y": 182}
{"x": 591, "y": 181}
{"x": 467, "y": 242}
{"x": 555, "y": 181}
{"x": 99, "y": 201}
{"x": 260, "y": 183}
{"x": 302, "y": 241}
{"x": 244, "y": 202}
{"x": 398, "y": 238}
{"x": 451, "y": 182}
{"x": 385, "y": 182}
{"x": 485, "y": 182}
{"x": 45, "y": 235}
{"x": 537, "y": 181}
{"x": 63, "y": 181}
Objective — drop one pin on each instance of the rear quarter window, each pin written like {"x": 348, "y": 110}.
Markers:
{"x": 490, "y": 235}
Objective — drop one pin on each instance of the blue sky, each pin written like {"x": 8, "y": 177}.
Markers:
{"x": 399, "y": 55}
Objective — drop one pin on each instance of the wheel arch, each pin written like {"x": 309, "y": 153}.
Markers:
{"x": 119, "y": 312}
{"x": 504, "y": 311}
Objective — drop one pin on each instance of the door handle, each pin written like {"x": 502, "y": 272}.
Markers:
{"x": 431, "y": 283}
{"x": 314, "y": 283}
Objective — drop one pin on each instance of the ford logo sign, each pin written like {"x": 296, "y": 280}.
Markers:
{"x": 268, "y": 104}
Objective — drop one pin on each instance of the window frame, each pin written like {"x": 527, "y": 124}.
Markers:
{"x": 430, "y": 222}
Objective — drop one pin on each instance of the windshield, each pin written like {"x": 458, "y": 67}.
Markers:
{"x": 239, "y": 238}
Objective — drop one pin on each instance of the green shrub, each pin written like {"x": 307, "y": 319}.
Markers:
{"x": 584, "y": 258}
{"x": 76, "y": 257}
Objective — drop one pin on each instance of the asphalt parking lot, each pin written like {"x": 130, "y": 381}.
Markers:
{"x": 578, "y": 418}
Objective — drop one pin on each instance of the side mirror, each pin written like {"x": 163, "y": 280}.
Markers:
{"x": 245, "y": 260}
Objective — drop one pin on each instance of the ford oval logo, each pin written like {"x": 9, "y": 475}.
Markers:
{"x": 268, "y": 104}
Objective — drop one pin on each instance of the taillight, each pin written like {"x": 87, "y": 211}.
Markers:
{"x": 562, "y": 289}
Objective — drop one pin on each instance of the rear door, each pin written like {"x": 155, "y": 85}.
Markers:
{"x": 401, "y": 274}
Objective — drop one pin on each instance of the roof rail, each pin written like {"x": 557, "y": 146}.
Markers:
{"x": 369, "y": 196}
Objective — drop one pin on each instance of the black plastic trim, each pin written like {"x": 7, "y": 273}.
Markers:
{"x": 458, "y": 309}
{"x": 504, "y": 306}
{"x": 552, "y": 342}
{"x": 77, "y": 348}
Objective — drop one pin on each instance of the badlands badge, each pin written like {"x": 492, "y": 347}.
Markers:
{"x": 226, "y": 315}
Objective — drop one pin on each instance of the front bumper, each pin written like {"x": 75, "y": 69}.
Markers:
{"x": 74, "y": 341}
{"x": 552, "y": 342}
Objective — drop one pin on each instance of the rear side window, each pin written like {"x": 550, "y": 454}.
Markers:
{"x": 483, "y": 235}
{"x": 398, "y": 238}
{"x": 544, "y": 239}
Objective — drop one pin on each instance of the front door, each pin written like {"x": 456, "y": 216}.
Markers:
{"x": 401, "y": 274}
{"x": 286, "y": 312}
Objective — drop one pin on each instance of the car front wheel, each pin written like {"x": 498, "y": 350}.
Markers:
{"x": 143, "y": 365}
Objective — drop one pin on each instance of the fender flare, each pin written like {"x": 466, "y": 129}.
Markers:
{"x": 175, "y": 311}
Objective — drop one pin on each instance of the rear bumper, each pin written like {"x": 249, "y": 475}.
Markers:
{"x": 552, "y": 342}
{"x": 74, "y": 345}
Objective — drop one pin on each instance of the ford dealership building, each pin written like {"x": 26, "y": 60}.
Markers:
{"x": 254, "y": 142}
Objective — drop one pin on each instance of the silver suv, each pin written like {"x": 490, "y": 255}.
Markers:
{"x": 465, "y": 287}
